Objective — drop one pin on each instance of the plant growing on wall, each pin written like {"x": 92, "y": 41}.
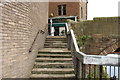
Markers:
{"x": 82, "y": 39}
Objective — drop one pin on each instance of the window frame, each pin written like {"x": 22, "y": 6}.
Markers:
{"x": 62, "y": 10}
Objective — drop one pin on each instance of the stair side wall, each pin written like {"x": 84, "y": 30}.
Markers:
{"x": 20, "y": 24}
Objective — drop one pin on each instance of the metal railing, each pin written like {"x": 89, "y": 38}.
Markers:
{"x": 92, "y": 66}
{"x": 39, "y": 31}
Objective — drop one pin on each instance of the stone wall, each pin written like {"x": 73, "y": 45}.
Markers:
{"x": 103, "y": 31}
{"x": 20, "y": 24}
{"x": 105, "y": 25}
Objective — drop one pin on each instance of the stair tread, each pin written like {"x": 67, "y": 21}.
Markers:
{"x": 47, "y": 41}
{"x": 46, "y": 63}
{"x": 56, "y": 43}
{"x": 51, "y": 75}
{"x": 55, "y": 46}
{"x": 54, "y": 55}
{"x": 54, "y": 50}
{"x": 53, "y": 69}
{"x": 53, "y": 63}
{"x": 56, "y": 36}
{"x": 60, "y": 59}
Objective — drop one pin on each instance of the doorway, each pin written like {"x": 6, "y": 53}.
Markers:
{"x": 56, "y": 33}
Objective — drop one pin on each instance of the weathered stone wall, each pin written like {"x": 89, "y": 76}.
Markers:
{"x": 20, "y": 24}
{"x": 106, "y": 26}
{"x": 104, "y": 32}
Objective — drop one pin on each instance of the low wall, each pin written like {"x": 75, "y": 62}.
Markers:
{"x": 105, "y": 26}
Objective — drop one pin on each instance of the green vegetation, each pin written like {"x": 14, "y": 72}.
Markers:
{"x": 104, "y": 74}
{"x": 82, "y": 39}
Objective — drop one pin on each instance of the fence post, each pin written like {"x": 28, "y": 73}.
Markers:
{"x": 77, "y": 68}
{"x": 101, "y": 71}
{"x": 69, "y": 41}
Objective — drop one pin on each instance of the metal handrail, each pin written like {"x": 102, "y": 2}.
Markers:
{"x": 39, "y": 31}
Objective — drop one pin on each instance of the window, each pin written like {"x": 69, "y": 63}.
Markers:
{"x": 61, "y": 10}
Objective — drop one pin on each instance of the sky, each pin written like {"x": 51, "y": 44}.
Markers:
{"x": 102, "y": 8}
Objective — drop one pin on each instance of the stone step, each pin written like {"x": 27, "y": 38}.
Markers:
{"x": 43, "y": 52}
{"x": 55, "y": 55}
{"x": 53, "y": 65}
{"x": 55, "y": 46}
{"x": 52, "y": 76}
{"x": 58, "y": 39}
{"x": 55, "y": 51}
{"x": 58, "y": 44}
{"x": 56, "y": 36}
{"x": 55, "y": 41}
{"x": 53, "y": 59}
{"x": 53, "y": 71}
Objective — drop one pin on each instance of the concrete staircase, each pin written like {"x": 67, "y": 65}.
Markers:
{"x": 54, "y": 61}
{"x": 55, "y": 42}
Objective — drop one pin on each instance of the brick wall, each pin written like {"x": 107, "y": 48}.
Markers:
{"x": 20, "y": 24}
{"x": 72, "y": 9}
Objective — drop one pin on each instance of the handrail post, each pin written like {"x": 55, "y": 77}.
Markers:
{"x": 69, "y": 41}
{"x": 101, "y": 71}
{"x": 77, "y": 69}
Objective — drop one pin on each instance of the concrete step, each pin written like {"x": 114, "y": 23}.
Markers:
{"x": 55, "y": 46}
{"x": 43, "y": 52}
{"x": 55, "y": 51}
{"x": 54, "y": 55}
{"x": 56, "y": 36}
{"x": 53, "y": 59}
{"x": 53, "y": 65}
{"x": 60, "y": 44}
{"x": 53, "y": 71}
{"x": 55, "y": 41}
{"x": 52, "y": 76}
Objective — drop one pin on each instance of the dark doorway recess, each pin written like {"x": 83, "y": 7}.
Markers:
{"x": 56, "y": 33}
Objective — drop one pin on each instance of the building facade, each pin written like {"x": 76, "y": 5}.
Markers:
{"x": 77, "y": 8}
